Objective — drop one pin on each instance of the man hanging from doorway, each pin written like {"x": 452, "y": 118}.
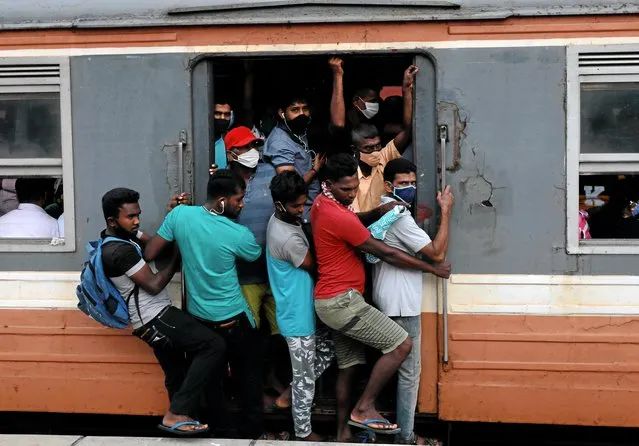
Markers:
{"x": 168, "y": 330}
{"x": 244, "y": 157}
{"x": 211, "y": 242}
{"x": 291, "y": 265}
{"x": 397, "y": 292}
{"x": 340, "y": 235}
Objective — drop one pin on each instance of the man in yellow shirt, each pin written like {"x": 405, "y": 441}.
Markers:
{"x": 373, "y": 157}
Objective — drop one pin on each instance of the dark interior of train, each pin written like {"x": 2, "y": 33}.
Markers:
{"x": 272, "y": 78}
{"x": 611, "y": 203}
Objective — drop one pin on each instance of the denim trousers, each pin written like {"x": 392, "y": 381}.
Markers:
{"x": 408, "y": 377}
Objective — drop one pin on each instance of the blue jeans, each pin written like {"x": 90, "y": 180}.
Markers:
{"x": 408, "y": 377}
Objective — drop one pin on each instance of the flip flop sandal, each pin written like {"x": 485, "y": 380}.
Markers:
{"x": 366, "y": 425}
{"x": 174, "y": 430}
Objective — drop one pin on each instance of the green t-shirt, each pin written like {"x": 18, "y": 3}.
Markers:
{"x": 210, "y": 244}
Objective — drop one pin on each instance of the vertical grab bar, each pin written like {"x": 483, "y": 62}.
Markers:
{"x": 181, "y": 146}
{"x": 443, "y": 137}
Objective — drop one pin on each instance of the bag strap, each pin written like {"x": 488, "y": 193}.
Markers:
{"x": 136, "y": 289}
{"x": 136, "y": 296}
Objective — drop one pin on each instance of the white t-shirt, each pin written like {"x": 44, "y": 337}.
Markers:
{"x": 28, "y": 221}
{"x": 397, "y": 291}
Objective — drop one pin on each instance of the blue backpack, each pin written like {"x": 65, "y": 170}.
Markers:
{"x": 97, "y": 296}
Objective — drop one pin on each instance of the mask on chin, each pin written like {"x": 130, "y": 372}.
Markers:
{"x": 285, "y": 216}
{"x": 371, "y": 159}
{"x": 122, "y": 233}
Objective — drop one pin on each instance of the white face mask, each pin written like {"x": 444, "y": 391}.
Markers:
{"x": 370, "y": 110}
{"x": 248, "y": 159}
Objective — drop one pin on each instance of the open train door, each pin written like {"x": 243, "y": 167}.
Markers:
{"x": 425, "y": 150}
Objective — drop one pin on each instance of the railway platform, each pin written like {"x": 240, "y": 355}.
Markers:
{"x": 79, "y": 440}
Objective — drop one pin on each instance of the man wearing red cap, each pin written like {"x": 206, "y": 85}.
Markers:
{"x": 244, "y": 157}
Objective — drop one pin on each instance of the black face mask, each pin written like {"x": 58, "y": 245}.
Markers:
{"x": 298, "y": 125}
{"x": 220, "y": 126}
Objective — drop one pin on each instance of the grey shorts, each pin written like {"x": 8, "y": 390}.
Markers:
{"x": 355, "y": 323}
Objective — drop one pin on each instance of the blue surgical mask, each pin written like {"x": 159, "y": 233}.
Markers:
{"x": 406, "y": 193}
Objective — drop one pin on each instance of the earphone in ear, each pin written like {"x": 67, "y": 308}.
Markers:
{"x": 282, "y": 114}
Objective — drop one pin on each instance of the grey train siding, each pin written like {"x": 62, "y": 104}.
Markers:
{"x": 127, "y": 108}
{"x": 515, "y": 145}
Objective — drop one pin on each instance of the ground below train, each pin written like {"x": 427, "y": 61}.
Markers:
{"x": 454, "y": 434}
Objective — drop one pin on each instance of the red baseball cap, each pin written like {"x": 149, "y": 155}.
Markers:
{"x": 239, "y": 137}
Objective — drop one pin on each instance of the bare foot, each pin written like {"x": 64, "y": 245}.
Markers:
{"x": 312, "y": 437}
{"x": 171, "y": 419}
{"x": 284, "y": 400}
{"x": 371, "y": 414}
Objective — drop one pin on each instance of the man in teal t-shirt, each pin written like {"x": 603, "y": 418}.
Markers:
{"x": 289, "y": 261}
{"x": 210, "y": 243}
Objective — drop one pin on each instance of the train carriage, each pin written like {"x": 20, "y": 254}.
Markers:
{"x": 528, "y": 110}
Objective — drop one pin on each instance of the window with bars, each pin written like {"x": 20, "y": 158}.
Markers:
{"x": 603, "y": 149}
{"x": 36, "y": 144}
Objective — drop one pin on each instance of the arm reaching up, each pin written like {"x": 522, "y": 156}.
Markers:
{"x": 338, "y": 109}
{"x": 403, "y": 138}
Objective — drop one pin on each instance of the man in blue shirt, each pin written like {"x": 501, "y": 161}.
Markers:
{"x": 287, "y": 146}
{"x": 210, "y": 243}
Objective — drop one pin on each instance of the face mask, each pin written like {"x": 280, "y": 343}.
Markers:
{"x": 406, "y": 194}
{"x": 370, "y": 110}
{"x": 372, "y": 159}
{"x": 284, "y": 215}
{"x": 248, "y": 159}
{"x": 298, "y": 125}
{"x": 220, "y": 126}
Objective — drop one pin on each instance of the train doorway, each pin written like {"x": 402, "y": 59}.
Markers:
{"x": 254, "y": 85}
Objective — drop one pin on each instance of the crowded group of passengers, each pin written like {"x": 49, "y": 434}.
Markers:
{"x": 296, "y": 238}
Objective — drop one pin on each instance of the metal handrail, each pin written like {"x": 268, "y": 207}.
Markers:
{"x": 443, "y": 137}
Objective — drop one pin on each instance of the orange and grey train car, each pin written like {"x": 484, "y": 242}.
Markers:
{"x": 528, "y": 110}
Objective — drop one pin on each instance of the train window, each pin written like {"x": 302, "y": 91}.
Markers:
{"x": 36, "y": 156}
{"x": 610, "y": 117}
{"x": 602, "y": 158}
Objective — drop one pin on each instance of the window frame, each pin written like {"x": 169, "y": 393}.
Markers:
{"x": 578, "y": 163}
{"x": 57, "y": 167}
